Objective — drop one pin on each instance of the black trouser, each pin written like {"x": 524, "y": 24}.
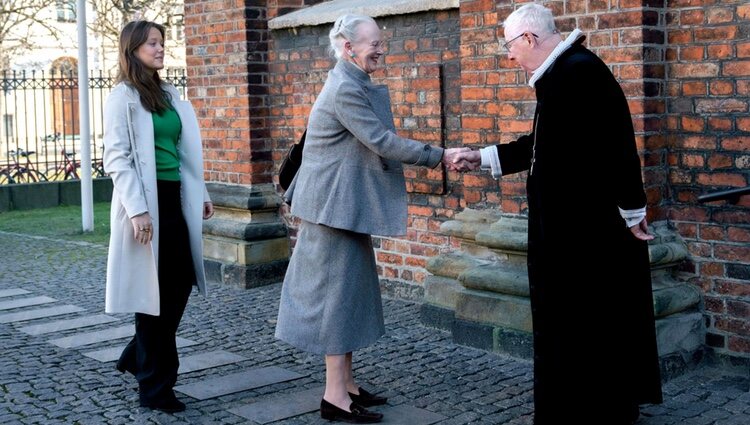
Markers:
{"x": 152, "y": 354}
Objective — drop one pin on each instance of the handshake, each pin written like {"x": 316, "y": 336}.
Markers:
{"x": 462, "y": 159}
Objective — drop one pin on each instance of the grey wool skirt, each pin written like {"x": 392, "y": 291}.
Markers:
{"x": 330, "y": 300}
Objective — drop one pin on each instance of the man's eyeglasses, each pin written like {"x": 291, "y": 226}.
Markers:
{"x": 507, "y": 44}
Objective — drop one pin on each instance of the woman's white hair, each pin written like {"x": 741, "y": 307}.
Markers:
{"x": 345, "y": 29}
{"x": 531, "y": 17}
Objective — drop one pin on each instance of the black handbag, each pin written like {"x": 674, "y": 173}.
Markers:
{"x": 291, "y": 163}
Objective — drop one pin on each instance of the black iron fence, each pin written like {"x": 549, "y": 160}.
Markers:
{"x": 39, "y": 123}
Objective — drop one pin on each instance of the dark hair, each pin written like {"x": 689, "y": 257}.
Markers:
{"x": 133, "y": 71}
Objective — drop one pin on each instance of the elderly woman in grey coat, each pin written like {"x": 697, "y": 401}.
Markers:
{"x": 350, "y": 185}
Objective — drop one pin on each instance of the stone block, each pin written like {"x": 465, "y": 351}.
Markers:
{"x": 436, "y": 316}
{"x": 462, "y": 229}
{"x": 674, "y": 299}
{"x": 251, "y": 198}
{"x": 441, "y": 291}
{"x": 452, "y": 264}
{"x": 497, "y": 278}
{"x": 506, "y": 311}
{"x": 514, "y": 343}
{"x": 681, "y": 333}
{"x": 243, "y": 230}
{"x": 473, "y": 334}
{"x": 401, "y": 290}
{"x": 239, "y": 252}
{"x": 504, "y": 241}
{"x": 254, "y": 275}
{"x": 213, "y": 270}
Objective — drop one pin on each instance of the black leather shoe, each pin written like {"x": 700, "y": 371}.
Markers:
{"x": 367, "y": 399}
{"x": 358, "y": 414}
{"x": 170, "y": 406}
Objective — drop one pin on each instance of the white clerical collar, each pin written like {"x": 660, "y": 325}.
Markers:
{"x": 559, "y": 49}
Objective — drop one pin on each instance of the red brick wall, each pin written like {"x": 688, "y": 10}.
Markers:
{"x": 227, "y": 68}
{"x": 707, "y": 120}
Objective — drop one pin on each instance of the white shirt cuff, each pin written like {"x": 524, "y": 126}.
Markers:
{"x": 491, "y": 161}
{"x": 633, "y": 217}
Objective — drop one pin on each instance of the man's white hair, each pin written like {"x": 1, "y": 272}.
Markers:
{"x": 345, "y": 29}
{"x": 531, "y": 17}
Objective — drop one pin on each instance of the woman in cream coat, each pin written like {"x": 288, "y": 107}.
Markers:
{"x": 153, "y": 154}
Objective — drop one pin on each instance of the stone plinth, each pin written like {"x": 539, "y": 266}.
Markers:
{"x": 481, "y": 292}
{"x": 245, "y": 244}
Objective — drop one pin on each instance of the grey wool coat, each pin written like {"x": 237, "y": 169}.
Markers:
{"x": 351, "y": 175}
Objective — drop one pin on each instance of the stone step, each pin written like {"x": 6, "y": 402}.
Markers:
{"x": 281, "y": 407}
{"x": 40, "y": 313}
{"x": 68, "y": 324}
{"x": 236, "y": 382}
{"x": 87, "y": 338}
{"x": 208, "y": 360}
{"x": 12, "y": 292}
{"x": 25, "y": 302}
{"x": 113, "y": 353}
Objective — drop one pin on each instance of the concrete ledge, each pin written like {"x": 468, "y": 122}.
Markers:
{"x": 245, "y": 198}
{"x": 436, "y": 316}
{"x": 674, "y": 365}
{"x": 473, "y": 334}
{"x": 442, "y": 291}
{"x": 327, "y": 12}
{"x": 51, "y": 194}
{"x": 245, "y": 277}
{"x": 244, "y": 231}
{"x": 403, "y": 291}
{"x": 497, "y": 310}
{"x": 514, "y": 343}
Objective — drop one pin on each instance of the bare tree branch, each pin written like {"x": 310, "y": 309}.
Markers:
{"x": 112, "y": 15}
{"x": 16, "y": 20}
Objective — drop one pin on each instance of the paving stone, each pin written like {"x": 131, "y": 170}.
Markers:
{"x": 39, "y": 313}
{"x": 404, "y": 414}
{"x": 113, "y": 353}
{"x": 282, "y": 407}
{"x": 65, "y": 325}
{"x": 413, "y": 365}
{"x": 236, "y": 382}
{"x": 12, "y": 292}
{"x": 208, "y": 360}
{"x": 87, "y": 338}
{"x": 25, "y": 302}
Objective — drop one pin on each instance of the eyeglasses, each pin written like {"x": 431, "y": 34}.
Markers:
{"x": 507, "y": 44}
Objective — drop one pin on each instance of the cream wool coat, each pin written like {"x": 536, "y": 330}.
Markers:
{"x": 129, "y": 158}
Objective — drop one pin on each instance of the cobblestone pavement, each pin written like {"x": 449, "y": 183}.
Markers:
{"x": 414, "y": 365}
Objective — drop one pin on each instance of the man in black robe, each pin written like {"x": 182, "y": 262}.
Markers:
{"x": 595, "y": 356}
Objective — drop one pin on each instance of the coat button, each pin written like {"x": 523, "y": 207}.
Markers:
{"x": 426, "y": 147}
{"x": 385, "y": 166}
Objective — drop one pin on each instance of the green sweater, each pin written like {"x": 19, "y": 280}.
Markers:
{"x": 167, "y": 128}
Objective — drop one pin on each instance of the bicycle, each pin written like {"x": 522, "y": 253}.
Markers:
{"x": 68, "y": 169}
{"x": 18, "y": 173}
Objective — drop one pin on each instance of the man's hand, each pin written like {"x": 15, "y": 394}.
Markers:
{"x": 464, "y": 159}
{"x": 208, "y": 210}
{"x": 640, "y": 231}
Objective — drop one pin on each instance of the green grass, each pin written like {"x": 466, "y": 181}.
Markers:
{"x": 63, "y": 222}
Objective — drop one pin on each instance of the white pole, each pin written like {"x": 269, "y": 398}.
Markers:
{"x": 87, "y": 197}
